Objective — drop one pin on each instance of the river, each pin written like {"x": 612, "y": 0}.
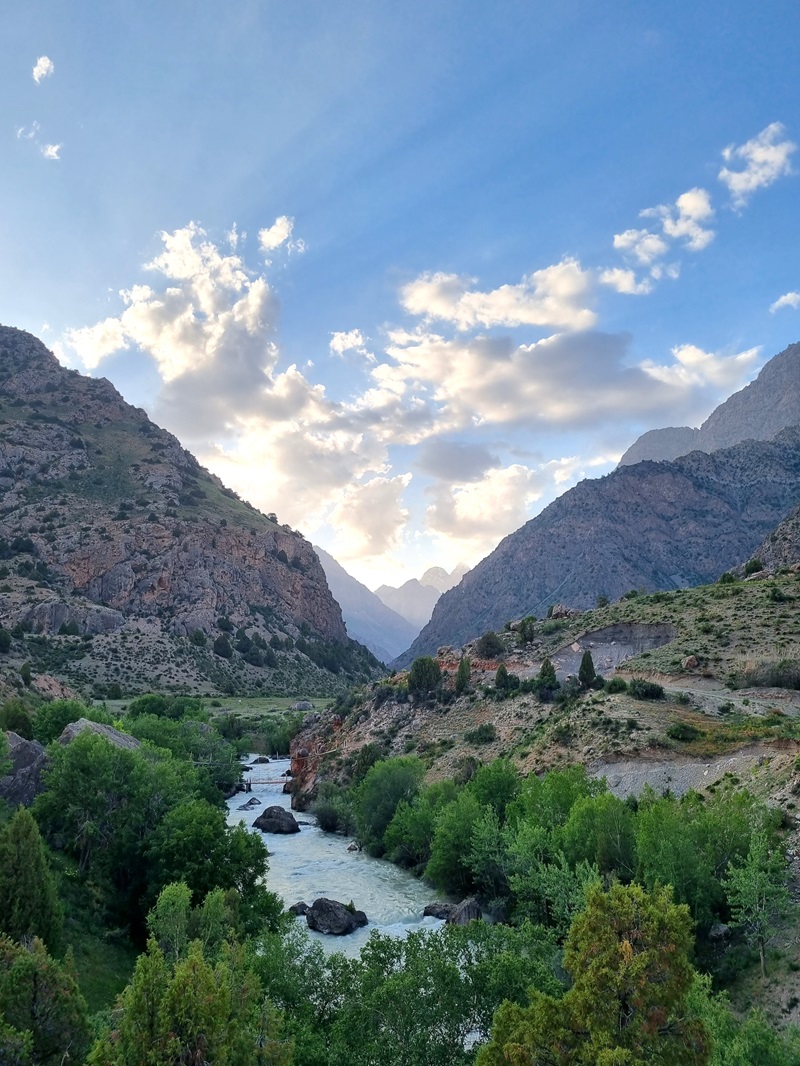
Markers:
{"x": 310, "y": 864}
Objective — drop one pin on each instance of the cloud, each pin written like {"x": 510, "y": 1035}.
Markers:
{"x": 694, "y": 367}
{"x": 29, "y": 133}
{"x": 554, "y": 296}
{"x": 43, "y": 68}
{"x": 452, "y": 460}
{"x": 789, "y": 299}
{"x": 351, "y": 341}
{"x": 765, "y": 158}
{"x": 684, "y": 219}
{"x": 277, "y": 234}
{"x": 624, "y": 281}
{"x": 51, "y": 151}
{"x": 370, "y": 517}
{"x": 644, "y": 246}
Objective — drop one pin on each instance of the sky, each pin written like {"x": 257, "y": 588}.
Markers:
{"x": 403, "y": 272}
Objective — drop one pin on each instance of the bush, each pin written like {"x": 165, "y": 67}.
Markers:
{"x": 222, "y": 647}
{"x": 645, "y": 690}
{"x": 483, "y": 734}
{"x": 753, "y": 566}
{"x": 489, "y": 646}
{"x": 616, "y": 684}
{"x": 424, "y": 675}
{"x": 5, "y": 641}
{"x": 726, "y": 579}
{"x": 683, "y": 731}
{"x": 198, "y": 638}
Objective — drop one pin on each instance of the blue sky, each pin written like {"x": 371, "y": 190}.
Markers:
{"x": 403, "y": 272}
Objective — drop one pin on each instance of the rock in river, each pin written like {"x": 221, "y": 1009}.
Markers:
{"x": 469, "y": 910}
{"x": 330, "y": 916}
{"x": 276, "y": 820}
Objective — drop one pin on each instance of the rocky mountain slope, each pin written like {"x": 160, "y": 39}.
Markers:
{"x": 114, "y": 535}
{"x": 647, "y": 526}
{"x": 757, "y": 412}
{"x": 782, "y": 546}
{"x": 368, "y": 619}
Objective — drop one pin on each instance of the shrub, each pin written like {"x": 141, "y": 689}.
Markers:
{"x": 616, "y": 684}
{"x": 424, "y": 675}
{"x": 489, "y": 646}
{"x": 5, "y": 641}
{"x": 683, "y": 731}
{"x": 222, "y": 647}
{"x": 483, "y": 734}
{"x": 753, "y": 566}
{"x": 726, "y": 579}
{"x": 198, "y": 638}
{"x": 645, "y": 690}
{"x": 462, "y": 675}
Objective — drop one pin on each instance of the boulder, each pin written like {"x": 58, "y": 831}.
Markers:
{"x": 276, "y": 820}
{"x": 439, "y": 910}
{"x": 300, "y": 909}
{"x": 108, "y": 732}
{"x": 302, "y": 705}
{"x": 24, "y": 783}
{"x": 689, "y": 663}
{"x": 469, "y": 910}
{"x": 259, "y": 759}
{"x": 333, "y": 918}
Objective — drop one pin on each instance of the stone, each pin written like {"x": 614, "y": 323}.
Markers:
{"x": 690, "y": 663}
{"x": 113, "y": 736}
{"x": 276, "y": 820}
{"x": 333, "y": 918}
{"x": 302, "y": 705}
{"x": 469, "y": 910}
{"x": 439, "y": 910}
{"x": 353, "y": 846}
{"x": 719, "y": 931}
{"x": 259, "y": 760}
{"x": 300, "y": 909}
{"x": 24, "y": 783}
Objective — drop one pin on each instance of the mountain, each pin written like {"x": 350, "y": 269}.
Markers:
{"x": 782, "y": 546}
{"x": 415, "y": 599}
{"x": 368, "y": 619}
{"x": 120, "y": 549}
{"x": 646, "y": 526}
{"x": 757, "y": 412}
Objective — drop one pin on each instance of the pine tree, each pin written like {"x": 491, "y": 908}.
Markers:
{"x": 587, "y": 672}
{"x": 547, "y": 675}
{"x": 29, "y": 904}
{"x": 501, "y": 678}
{"x": 462, "y": 675}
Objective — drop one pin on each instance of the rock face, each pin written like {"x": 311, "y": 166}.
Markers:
{"x": 368, "y": 619}
{"x": 110, "y": 528}
{"x": 276, "y": 820}
{"x": 331, "y": 917}
{"x": 113, "y": 736}
{"x": 412, "y": 600}
{"x": 648, "y": 526}
{"x": 28, "y": 761}
{"x": 469, "y": 910}
{"x": 782, "y": 546}
{"x": 439, "y": 910}
{"x": 757, "y": 412}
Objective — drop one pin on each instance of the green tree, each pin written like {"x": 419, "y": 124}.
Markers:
{"x": 449, "y": 867}
{"x": 409, "y": 835}
{"x": 40, "y": 1006}
{"x": 15, "y": 716}
{"x": 501, "y": 678}
{"x": 424, "y": 675}
{"x": 489, "y": 646}
{"x": 52, "y": 718}
{"x": 602, "y": 829}
{"x": 385, "y": 786}
{"x": 5, "y": 756}
{"x": 526, "y": 630}
{"x": 29, "y": 904}
{"x": 5, "y": 641}
{"x": 757, "y": 891}
{"x": 462, "y": 675}
{"x": 628, "y": 955}
{"x": 546, "y": 677}
{"x": 586, "y": 671}
{"x": 222, "y": 647}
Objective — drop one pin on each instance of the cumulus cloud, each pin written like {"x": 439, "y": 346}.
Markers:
{"x": 51, "y": 151}
{"x": 554, "y": 296}
{"x": 352, "y": 340}
{"x": 452, "y": 460}
{"x": 763, "y": 159}
{"x": 369, "y": 517}
{"x": 789, "y": 299}
{"x": 43, "y": 68}
{"x": 644, "y": 246}
{"x": 625, "y": 281}
{"x": 277, "y": 234}
{"x": 694, "y": 367}
{"x": 685, "y": 219}
{"x": 28, "y": 133}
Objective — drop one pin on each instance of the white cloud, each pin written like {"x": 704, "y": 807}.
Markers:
{"x": 765, "y": 158}
{"x": 43, "y": 68}
{"x": 624, "y": 281}
{"x": 554, "y": 296}
{"x": 277, "y": 234}
{"x": 51, "y": 151}
{"x": 789, "y": 299}
{"x": 644, "y": 246}
{"x": 369, "y": 517}
{"x": 352, "y": 340}
{"x": 684, "y": 219}
{"x": 693, "y": 367}
{"x": 28, "y": 133}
